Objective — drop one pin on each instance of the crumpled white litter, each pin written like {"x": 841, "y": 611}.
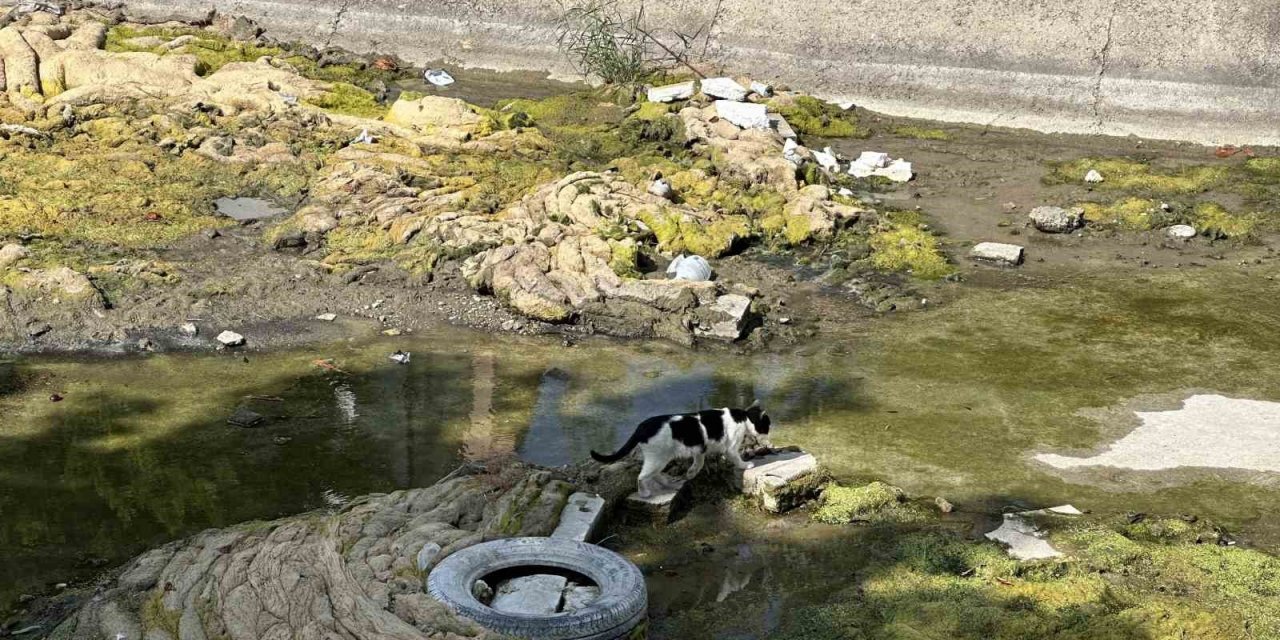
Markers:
{"x": 438, "y": 77}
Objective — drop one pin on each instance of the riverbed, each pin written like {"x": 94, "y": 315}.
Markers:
{"x": 103, "y": 457}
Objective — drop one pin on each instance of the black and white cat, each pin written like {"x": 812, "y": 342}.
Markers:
{"x": 691, "y": 435}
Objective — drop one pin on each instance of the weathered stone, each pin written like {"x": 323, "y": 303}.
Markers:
{"x": 672, "y": 92}
{"x": 1177, "y": 231}
{"x": 724, "y": 89}
{"x": 726, "y": 319}
{"x": 11, "y": 253}
{"x": 536, "y": 595}
{"x": 1093, "y": 177}
{"x": 577, "y": 597}
{"x": 427, "y": 556}
{"x": 761, "y": 89}
{"x": 230, "y": 339}
{"x": 434, "y": 114}
{"x": 743, "y": 114}
{"x": 327, "y": 317}
{"x": 658, "y": 508}
{"x": 580, "y": 518}
{"x": 64, "y": 283}
{"x": 245, "y": 418}
{"x": 1009, "y": 254}
{"x": 1057, "y": 219}
{"x": 189, "y": 329}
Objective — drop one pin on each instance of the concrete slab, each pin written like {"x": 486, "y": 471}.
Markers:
{"x": 577, "y": 597}
{"x": 999, "y": 252}
{"x": 532, "y": 595}
{"x": 782, "y": 481}
{"x": 672, "y": 92}
{"x": 655, "y": 509}
{"x": 580, "y": 518}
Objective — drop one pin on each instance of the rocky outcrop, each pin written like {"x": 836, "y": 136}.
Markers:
{"x": 354, "y": 573}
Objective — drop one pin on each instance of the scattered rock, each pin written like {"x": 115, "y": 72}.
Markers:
{"x": 189, "y": 329}
{"x": 37, "y": 329}
{"x": 1057, "y": 219}
{"x": 230, "y": 339}
{"x": 1093, "y": 177}
{"x": 1177, "y": 231}
{"x": 672, "y": 92}
{"x": 726, "y": 319}
{"x": 580, "y": 518}
{"x": 11, "y": 253}
{"x": 1010, "y": 254}
{"x": 243, "y": 417}
{"x": 943, "y": 505}
{"x": 400, "y": 357}
{"x": 743, "y": 114}
{"x": 724, "y": 89}
{"x": 761, "y": 89}
{"x": 783, "y": 481}
{"x": 327, "y": 317}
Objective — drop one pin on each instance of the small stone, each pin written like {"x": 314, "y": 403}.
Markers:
{"x": 245, "y": 418}
{"x": 392, "y": 332}
{"x": 1057, "y": 219}
{"x": 784, "y": 320}
{"x": 1093, "y": 177}
{"x": 729, "y": 317}
{"x": 212, "y": 233}
{"x": 189, "y": 329}
{"x": 577, "y": 597}
{"x": 230, "y": 339}
{"x": 743, "y": 114}
{"x": 672, "y": 92}
{"x": 724, "y": 89}
{"x": 1181, "y": 232}
{"x": 327, "y": 317}
{"x": 761, "y": 89}
{"x": 482, "y": 592}
{"x": 145, "y": 344}
{"x": 1010, "y": 254}
{"x": 281, "y": 440}
{"x": 943, "y": 505}
{"x": 38, "y": 329}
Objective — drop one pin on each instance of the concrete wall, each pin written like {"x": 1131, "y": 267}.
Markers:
{"x": 1206, "y": 71}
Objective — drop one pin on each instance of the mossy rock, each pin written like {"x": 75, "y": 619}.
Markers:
{"x": 814, "y": 117}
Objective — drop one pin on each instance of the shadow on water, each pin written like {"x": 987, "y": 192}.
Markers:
{"x": 139, "y": 452}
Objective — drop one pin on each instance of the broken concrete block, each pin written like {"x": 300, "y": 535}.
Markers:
{"x": 743, "y": 114}
{"x": 1024, "y": 540}
{"x": 580, "y": 518}
{"x": 1057, "y": 219}
{"x": 327, "y": 317}
{"x": 761, "y": 89}
{"x": 827, "y": 159}
{"x": 726, "y": 319}
{"x": 655, "y": 509}
{"x": 537, "y": 595}
{"x": 1093, "y": 177}
{"x": 780, "y": 124}
{"x": 724, "y": 89}
{"x": 672, "y": 92}
{"x": 783, "y": 481}
{"x": 1010, "y": 254}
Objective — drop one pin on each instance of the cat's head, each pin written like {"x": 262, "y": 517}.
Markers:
{"x": 758, "y": 419}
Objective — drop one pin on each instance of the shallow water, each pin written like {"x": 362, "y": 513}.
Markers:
{"x": 951, "y": 402}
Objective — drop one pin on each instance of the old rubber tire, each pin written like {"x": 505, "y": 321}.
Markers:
{"x": 622, "y": 604}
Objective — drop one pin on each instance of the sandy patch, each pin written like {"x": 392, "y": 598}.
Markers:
{"x": 1208, "y": 431}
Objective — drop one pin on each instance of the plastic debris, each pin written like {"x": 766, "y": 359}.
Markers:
{"x": 743, "y": 114}
{"x": 1093, "y": 177}
{"x": 875, "y": 163}
{"x": 693, "y": 268}
{"x": 827, "y": 159}
{"x": 400, "y": 357}
{"x": 661, "y": 188}
{"x": 672, "y": 92}
{"x": 364, "y": 138}
{"x": 1024, "y": 540}
{"x": 724, "y": 89}
{"x": 791, "y": 152}
{"x": 438, "y": 77}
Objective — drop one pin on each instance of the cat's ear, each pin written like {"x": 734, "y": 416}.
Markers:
{"x": 755, "y": 404}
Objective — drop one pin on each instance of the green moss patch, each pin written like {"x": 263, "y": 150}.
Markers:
{"x": 349, "y": 99}
{"x": 1140, "y": 177}
{"x": 901, "y": 245}
{"x": 814, "y": 117}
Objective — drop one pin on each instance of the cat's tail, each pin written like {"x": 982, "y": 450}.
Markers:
{"x": 620, "y": 453}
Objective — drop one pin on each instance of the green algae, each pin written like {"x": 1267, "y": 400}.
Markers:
{"x": 814, "y": 117}
{"x": 899, "y": 244}
{"x": 1139, "y": 177}
{"x": 349, "y": 99}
